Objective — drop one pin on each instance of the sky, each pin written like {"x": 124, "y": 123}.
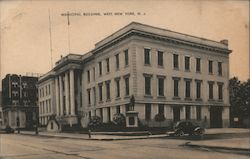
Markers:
{"x": 25, "y": 36}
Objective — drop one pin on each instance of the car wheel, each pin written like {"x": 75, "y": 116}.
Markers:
{"x": 180, "y": 133}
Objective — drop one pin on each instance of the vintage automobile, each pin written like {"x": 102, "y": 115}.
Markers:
{"x": 9, "y": 130}
{"x": 184, "y": 128}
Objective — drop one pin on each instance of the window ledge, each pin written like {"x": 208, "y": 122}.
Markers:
{"x": 100, "y": 102}
{"x": 117, "y": 98}
{"x": 108, "y": 100}
{"x": 211, "y": 100}
{"x": 187, "y": 70}
{"x": 147, "y": 65}
{"x": 176, "y": 98}
{"x": 220, "y": 100}
{"x": 188, "y": 99}
{"x": 127, "y": 96}
{"x": 198, "y": 99}
{"x": 161, "y": 97}
{"x": 159, "y": 66}
{"x": 148, "y": 96}
{"x": 176, "y": 68}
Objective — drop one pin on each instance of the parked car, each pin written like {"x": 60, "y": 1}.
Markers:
{"x": 9, "y": 130}
{"x": 190, "y": 128}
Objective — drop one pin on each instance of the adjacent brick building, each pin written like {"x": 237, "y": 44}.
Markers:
{"x": 19, "y": 100}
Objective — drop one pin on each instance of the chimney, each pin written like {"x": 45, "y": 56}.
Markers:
{"x": 225, "y": 42}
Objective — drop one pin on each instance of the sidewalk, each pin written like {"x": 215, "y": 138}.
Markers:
{"x": 240, "y": 140}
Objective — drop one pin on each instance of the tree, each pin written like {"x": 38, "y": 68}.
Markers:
{"x": 160, "y": 118}
{"x": 239, "y": 93}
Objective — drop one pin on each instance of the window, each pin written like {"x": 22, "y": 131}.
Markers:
{"x": 88, "y": 73}
{"x": 93, "y": 73}
{"x": 89, "y": 114}
{"x": 220, "y": 68}
{"x": 147, "y": 56}
{"x": 160, "y": 58}
{"x": 161, "y": 108}
{"x": 126, "y": 86}
{"x": 147, "y": 85}
{"x": 187, "y": 63}
{"x": 210, "y": 67}
{"x": 198, "y": 65}
{"x": 46, "y": 90}
{"x": 94, "y": 94}
{"x": 147, "y": 111}
{"x": 107, "y": 62}
{"x": 188, "y": 83}
{"x": 176, "y": 61}
{"x": 89, "y": 96}
{"x": 117, "y": 87}
{"x": 101, "y": 113}
{"x": 25, "y": 94}
{"x": 198, "y": 112}
{"x": 51, "y": 125}
{"x": 220, "y": 91}
{"x": 118, "y": 109}
{"x": 117, "y": 61}
{"x": 108, "y": 90}
{"x": 49, "y": 88}
{"x": 14, "y": 84}
{"x": 176, "y": 87}
{"x": 100, "y": 68}
{"x": 40, "y": 92}
{"x": 161, "y": 86}
{"x": 129, "y": 107}
{"x": 210, "y": 89}
{"x": 108, "y": 110}
{"x": 100, "y": 92}
{"x": 24, "y": 85}
{"x": 188, "y": 112}
{"x": 198, "y": 89}
{"x": 126, "y": 57}
{"x": 131, "y": 120}
{"x": 15, "y": 93}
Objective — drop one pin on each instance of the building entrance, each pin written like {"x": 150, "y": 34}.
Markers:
{"x": 216, "y": 117}
{"x": 176, "y": 113}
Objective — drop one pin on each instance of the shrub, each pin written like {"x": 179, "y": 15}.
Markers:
{"x": 119, "y": 120}
{"x": 159, "y": 118}
{"x": 95, "y": 122}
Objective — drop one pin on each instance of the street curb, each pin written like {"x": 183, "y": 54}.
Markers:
{"x": 246, "y": 150}
{"x": 98, "y": 139}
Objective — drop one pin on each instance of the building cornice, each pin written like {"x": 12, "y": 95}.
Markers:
{"x": 171, "y": 40}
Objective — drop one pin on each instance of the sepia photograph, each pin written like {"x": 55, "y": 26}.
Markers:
{"x": 107, "y": 79}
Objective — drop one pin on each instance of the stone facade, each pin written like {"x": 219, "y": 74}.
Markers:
{"x": 163, "y": 72}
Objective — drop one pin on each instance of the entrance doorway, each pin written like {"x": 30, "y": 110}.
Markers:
{"x": 216, "y": 117}
{"x": 176, "y": 113}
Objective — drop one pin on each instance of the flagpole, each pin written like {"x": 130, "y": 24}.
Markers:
{"x": 68, "y": 32}
{"x": 51, "y": 59}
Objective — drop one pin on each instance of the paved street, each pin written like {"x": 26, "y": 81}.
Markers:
{"x": 15, "y": 146}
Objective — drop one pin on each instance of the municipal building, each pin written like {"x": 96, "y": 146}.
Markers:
{"x": 180, "y": 76}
